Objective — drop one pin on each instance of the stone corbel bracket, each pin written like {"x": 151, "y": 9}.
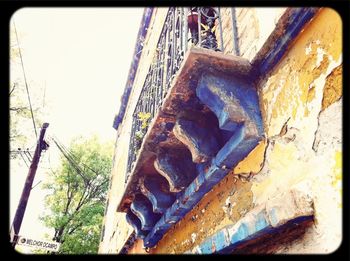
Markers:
{"x": 209, "y": 121}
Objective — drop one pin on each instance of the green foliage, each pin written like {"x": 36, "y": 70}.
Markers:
{"x": 144, "y": 117}
{"x": 139, "y": 135}
{"x": 77, "y": 199}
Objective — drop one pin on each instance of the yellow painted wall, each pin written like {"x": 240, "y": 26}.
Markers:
{"x": 302, "y": 106}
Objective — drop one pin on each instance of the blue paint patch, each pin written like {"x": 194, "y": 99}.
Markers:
{"x": 193, "y": 194}
{"x": 225, "y": 136}
{"x": 202, "y": 167}
{"x": 250, "y": 103}
{"x": 273, "y": 216}
{"x": 261, "y": 222}
{"x": 241, "y": 233}
{"x": 175, "y": 212}
{"x": 219, "y": 240}
{"x": 206, "y": 246}
{"x": 195, "y": 191}
{"x": 157, "y": 232}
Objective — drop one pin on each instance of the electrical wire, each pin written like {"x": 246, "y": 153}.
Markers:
{"x": 70, "y": 160}
{"x": 29, "y": 157}
{"x": 20, "y": 152}
{"x": 74, "y": 157}
{"x": 24, "y": 159}
{"x": 25, "y": 81}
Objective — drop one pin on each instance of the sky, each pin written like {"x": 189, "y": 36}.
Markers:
{"x": 77, "y": 61}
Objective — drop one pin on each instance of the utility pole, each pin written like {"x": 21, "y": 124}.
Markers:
{"x": 17, "y": 221}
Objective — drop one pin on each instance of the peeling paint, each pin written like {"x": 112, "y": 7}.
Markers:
{"x": 308, "y": 49}
{"x": 300, "y": 73}
{"x": 291, "y": 100}
{"x": 253, "y": 162}
{"x": 320, "y": 55}
{"x": 193, "y": 237}
{"x": 301, "y": 103}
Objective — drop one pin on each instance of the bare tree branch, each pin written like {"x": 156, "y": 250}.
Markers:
{"x": 13, "y": 88}
{"x": 18, "y": 109}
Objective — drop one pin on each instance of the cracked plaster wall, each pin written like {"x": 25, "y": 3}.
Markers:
{"x": 301, "y": 102}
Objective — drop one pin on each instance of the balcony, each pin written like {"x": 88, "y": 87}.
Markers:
{"x": 196, "y": 118}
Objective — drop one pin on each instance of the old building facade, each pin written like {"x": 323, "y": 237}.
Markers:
{"x": 229, "y": 134}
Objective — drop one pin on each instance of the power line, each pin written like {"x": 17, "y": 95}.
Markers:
{"x": 25, "y": 80}
{"x": 28, "y": 155}
{"x": 21, "y": 152}
{"x": 36, "y": 185}
{"x": 24, "y": 159}
{"x": 69, "y": 158}
{"x": 72, "y": 160}
{"x": 49, "y": 161}
{"x": 74, "y": 157}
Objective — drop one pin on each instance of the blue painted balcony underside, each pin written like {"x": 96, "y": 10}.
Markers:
{"x": 177, "y": 168}
{"x": 142, "y": 208}
{"x": 135, "y": 222}
{"x": 238, "y": 146}
{"x": 201, "y": 138}
{"x": 156, "y": 189}
{"x": 212, "y": 153}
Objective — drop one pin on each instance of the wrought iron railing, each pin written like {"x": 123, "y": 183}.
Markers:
{"x": 183, "y": 27}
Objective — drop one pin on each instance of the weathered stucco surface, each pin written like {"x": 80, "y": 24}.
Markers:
{"x": 301, "y": 103}
{"x": 302, "y": 107}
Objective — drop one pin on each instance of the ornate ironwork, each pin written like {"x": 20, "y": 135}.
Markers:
{"x": 171, "y": 47}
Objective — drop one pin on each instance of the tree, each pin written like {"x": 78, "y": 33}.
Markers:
{"x": 77, "y": 195}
